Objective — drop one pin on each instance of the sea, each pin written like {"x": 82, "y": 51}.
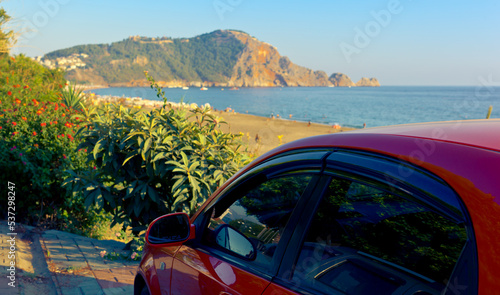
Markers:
{"x": 349, "y": 107}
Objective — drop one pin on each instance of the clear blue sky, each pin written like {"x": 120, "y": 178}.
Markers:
{"x": 419, "y": 42}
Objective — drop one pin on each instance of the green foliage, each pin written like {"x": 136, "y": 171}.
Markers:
{"x": 6, "y": 36}
{"x": 21, "y": 71}
{"x": 149, "y": 164}
{"x": 37, "y": 144}
{"x": 73, "y": 97}
{"x": 208, "y": 57}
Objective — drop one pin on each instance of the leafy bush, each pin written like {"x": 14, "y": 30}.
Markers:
{"x": 73, "y": 97}
{"x": 37, "y": 143}
{"x": 149, "y": 164}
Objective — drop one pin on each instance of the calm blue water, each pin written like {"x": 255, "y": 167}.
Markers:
{"x": 380, "y": 106}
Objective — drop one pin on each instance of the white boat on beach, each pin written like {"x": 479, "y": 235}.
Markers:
{"x": 185, "y": 88}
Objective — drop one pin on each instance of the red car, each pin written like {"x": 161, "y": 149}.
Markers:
{"x": 410, "y": 209}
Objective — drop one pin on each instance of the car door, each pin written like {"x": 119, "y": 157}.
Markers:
{"x": 372, "y": 229}
{"x": 243, "y": 233}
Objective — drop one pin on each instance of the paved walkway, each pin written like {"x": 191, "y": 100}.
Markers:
{"x": 73, "y": 264}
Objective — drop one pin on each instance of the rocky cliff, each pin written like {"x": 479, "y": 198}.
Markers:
{"x": 225, "y": 58}
{"x": 341, "y": 80}
{"x": 365, "y": 82}
{"x": 261, "y": 65}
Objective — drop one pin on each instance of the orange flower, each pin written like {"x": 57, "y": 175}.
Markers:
{"x": 9, "y": 93}
{"x": 36, "y": 145}
{"x": 63, "y": 114}
{"x": 14, "y": 133}
{"x": 18, "y": 101}
{"x": 34, "y": 133}
{"x": 55, "y": 122}
{"x": 39, "y": 112}
{"x": 24, "y": 118}
{"x": 34, "y": 101}
{"x": 14, "y": 123}
{"x": 43, "y": 124}
{"x": 26, "y": 86}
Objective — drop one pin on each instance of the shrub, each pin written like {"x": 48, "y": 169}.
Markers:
{"x": 37, "y": 143}
{"x": 73, "y": 97}
{"x": 149, "y": 164}
{"x": 44, "y": 84}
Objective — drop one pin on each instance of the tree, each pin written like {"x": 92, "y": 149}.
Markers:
{"x": 6, "y": 36}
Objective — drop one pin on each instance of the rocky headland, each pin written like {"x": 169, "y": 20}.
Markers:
{"x": 223, "y": 58}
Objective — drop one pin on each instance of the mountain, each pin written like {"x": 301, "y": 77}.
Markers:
{"x": 226, "y": 58}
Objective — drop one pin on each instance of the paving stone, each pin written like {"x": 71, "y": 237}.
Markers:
{"x": 76, "y": 265}
{"x": 119, "y": 291}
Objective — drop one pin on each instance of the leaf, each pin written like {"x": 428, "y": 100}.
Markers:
{"x": 130, "y": 156}
{"x": 184, "y": 159}
{"x": 130, "y": 189}
{"x": 202, "y": 139}
{"x": 178, "y": 183}
{"x": 146, "y": 147}
{"x": 98, "y": 147}
{"x": 153, "y": 195}
{"x": 109, "y": 197}
{"x": 159, "y": 156}
{"x": 92, "y": 198}
{"x": 179, "y": 201}
{"x": 194, "y": 166}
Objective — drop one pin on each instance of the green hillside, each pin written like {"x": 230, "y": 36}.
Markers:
{"x": 208, "y": 57}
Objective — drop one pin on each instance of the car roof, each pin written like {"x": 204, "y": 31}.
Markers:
{"x": 478, "y": 133}
{"x": 484, "y": 134}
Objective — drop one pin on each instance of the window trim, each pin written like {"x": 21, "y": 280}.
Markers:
{"x": 304, "y": 162}
{"x": 349, "y": 170}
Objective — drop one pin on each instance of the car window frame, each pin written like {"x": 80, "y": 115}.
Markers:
{"x": 292, "y": 163}
{"x": 352, "y": 164}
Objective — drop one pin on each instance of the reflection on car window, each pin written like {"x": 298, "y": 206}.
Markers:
{"x": 260, "y": 214}
{"x": 364, "y": 239}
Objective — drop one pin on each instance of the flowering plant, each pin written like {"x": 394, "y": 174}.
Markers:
{"x": 37, "y": 140}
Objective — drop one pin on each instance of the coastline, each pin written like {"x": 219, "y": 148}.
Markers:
{"x": 260, "y": 134}
{"x": 272, "y": 132}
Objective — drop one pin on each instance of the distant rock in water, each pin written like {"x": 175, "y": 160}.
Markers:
{"x": 368, "y": 82}
{"x": 341, "y": 80}
{"x": 223, "y": 58}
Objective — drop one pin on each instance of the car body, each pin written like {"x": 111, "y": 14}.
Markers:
{"x": 408, "y": 209}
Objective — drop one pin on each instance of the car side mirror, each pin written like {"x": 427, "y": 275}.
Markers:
{"x": 234, "y": 241}
{"x": 170, "y": 228}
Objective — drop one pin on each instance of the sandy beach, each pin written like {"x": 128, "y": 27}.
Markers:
{"x": 270, "y": 130}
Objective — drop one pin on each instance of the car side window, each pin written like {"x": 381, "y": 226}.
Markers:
{"x": 364, "y": 239}
{"x": 250, "y": 223}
